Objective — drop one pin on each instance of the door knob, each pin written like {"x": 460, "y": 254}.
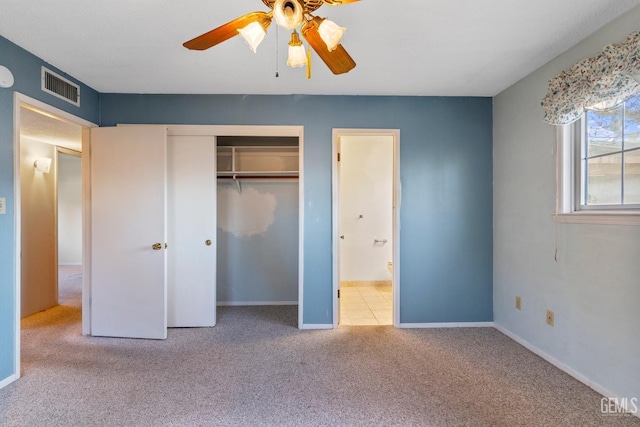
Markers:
{"x": 156, "y": 246}
{"x": 342, "y": 236}
{"x": 207, "y": 242}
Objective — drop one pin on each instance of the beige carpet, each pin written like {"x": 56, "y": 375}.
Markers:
{"x": 256, "y": 369}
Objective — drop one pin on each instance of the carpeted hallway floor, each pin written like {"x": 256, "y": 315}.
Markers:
{"x": 255, "y": 368}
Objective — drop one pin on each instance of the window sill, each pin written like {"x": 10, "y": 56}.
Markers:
{"x": 599, "y": 217}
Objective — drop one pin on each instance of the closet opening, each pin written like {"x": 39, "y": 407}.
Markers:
{"x": 258, "y": 220}
{"x": 214, "y": 218}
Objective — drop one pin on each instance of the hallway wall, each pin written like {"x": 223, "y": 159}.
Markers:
{"x": 39, "y": 290}
{"x": 69, "y": 210}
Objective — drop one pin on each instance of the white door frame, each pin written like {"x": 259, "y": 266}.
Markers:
{"x": 18, "y": 101}
{"x": 335, "y": 198}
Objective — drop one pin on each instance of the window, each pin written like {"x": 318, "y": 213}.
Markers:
{"x": 598, "y": 179}
{"x": 608, "y": 170}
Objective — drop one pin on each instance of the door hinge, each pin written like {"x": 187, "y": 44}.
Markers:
{"x": 338, "y": 156}
{"x": 338, "y": 293}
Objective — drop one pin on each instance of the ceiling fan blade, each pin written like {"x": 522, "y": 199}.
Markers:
{"x": 338, "y": 2}
{"x": 338, "y": 60}
{"x": 226, "y": 31}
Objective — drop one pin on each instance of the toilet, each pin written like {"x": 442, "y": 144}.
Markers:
{"x": 390, "y": 266}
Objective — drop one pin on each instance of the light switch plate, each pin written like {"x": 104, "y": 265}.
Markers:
{"x": 3, "y": 206}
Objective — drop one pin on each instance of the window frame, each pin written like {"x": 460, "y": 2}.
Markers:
{"x": 569, "y": 185}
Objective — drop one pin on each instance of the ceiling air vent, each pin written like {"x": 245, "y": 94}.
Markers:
{"x": 59, "y": 86}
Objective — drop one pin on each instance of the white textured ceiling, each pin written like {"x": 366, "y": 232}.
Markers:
{"x": 40, "y": 127}
{"x": 402, "y": 47}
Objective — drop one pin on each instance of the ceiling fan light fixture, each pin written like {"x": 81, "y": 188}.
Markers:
{"x": 297, "y": 54}
{"x": 253, "y": 34}
{"x": 288, "y": 13}
{"x": 293, "y": 15}
{"x": 331, "y": 33}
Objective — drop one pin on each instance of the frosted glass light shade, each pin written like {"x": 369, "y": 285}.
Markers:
{"x": 297, "y": 56}
{"x": 43, "y": 164}
{"x": 287, "y": 13}
{"x": 253, "y": 34}
{"x": 331, "y": 33}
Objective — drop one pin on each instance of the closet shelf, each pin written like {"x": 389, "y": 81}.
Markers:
{"x": 258, "y": 162}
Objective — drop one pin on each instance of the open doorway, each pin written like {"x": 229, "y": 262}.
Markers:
{"x": 50, "y": 211}
{"x": 43, "y": 140}
{"x": 366, "y": 227}
{"x": 48, "y": 147}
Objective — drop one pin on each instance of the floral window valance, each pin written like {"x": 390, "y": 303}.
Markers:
{"x": 599, "y": 83}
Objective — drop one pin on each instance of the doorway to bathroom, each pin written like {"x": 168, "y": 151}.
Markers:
{"x": 366, "y": 227}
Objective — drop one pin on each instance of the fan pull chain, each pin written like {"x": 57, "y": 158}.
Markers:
{"x": 277, "y": 44}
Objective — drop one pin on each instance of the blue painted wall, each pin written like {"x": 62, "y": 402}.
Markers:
{"x": 446, "y": 173}
{"x": 26, "y": 71}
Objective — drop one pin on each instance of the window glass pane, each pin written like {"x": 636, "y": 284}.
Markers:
{"x": 632, "y": 178}
{"x": 604, "y": 180}
{"x": 632, "y": 123}
{"x": 604, "y": 131}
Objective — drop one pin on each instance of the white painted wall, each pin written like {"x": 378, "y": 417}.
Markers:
{"x": 594, "y": 287}
{"x": 39, "y": 268}
{"x": 69, "y": 210}
{"x": 366, "y": 188}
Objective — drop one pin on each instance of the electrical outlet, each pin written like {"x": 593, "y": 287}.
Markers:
{"x": 519, "y": 303}
{"x": 549, "y": 317}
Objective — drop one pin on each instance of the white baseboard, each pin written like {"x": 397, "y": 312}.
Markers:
{"x": 315, "y": 326}
{"x": 69, "y": 264}
{"x": 446, "y": 325}
{"x": 8, "y": 380}
{"x": 558, "y": 364}
{"x": 252, "y": 303}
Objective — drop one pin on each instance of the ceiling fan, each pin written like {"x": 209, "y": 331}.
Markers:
{"x": 321, "y": 34}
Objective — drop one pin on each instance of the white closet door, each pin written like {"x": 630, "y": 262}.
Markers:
{"x": 192, "y": 231}
{"x": 128, "y": 209}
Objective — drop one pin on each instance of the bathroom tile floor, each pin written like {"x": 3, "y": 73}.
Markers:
{"x": 365, "y": 305}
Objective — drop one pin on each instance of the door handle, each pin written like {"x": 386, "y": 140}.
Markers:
{"x": 207, "y": 242}
{"x": 156, "y": 246}
{"x": 342, "y": 236}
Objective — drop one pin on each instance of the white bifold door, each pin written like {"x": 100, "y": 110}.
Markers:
{"x": 192, "y": 231}
{"x": 152, "y": 201}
